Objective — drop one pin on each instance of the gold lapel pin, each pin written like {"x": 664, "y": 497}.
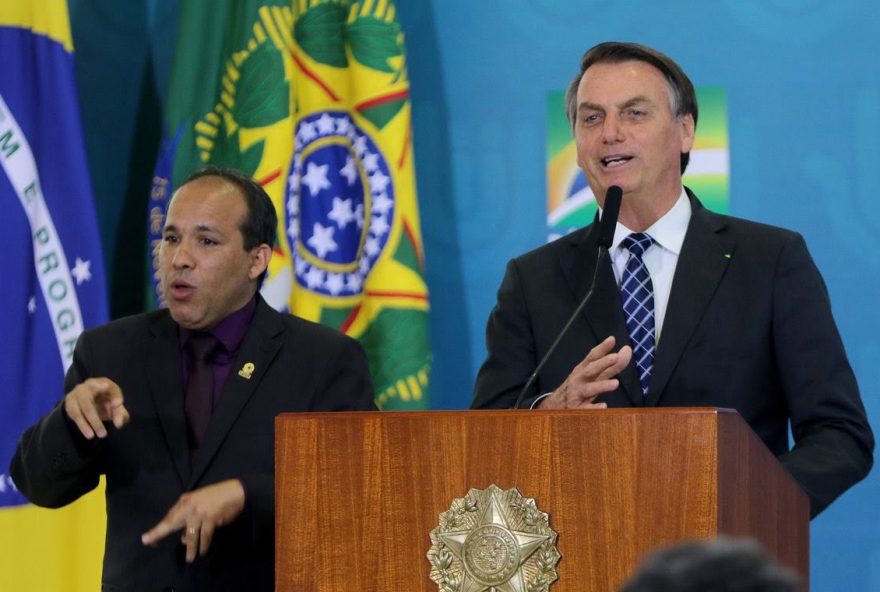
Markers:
{"x": 247, "y": 370}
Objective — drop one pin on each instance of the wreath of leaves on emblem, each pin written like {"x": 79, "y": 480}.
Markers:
{"x": 448, "y": 579}
{"x": 546, "y": 556}
{"x": 327, "y": 27}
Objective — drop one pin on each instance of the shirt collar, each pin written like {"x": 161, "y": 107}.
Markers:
{"x": 231, "y": 330}
{"x": 668, "y": 231}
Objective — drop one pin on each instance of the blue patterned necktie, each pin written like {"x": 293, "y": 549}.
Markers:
{"x": 637, "y": 294}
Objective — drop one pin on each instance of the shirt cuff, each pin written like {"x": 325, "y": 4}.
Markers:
{"x": 534, "y": 404}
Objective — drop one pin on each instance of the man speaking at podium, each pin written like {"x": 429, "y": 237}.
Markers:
{"x": 688, "y": 307}
{"x": 176, "y": 407}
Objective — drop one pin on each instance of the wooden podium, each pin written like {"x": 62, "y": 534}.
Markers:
{"x": 357, "y": 494}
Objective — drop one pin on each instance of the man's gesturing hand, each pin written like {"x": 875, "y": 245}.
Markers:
{"x": 93, "y": 402}
{"x": 198, "y": 514}
{"x": 593, "y": 376}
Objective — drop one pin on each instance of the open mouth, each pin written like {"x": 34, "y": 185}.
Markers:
{"x": 181, "y": 289}
{"x": 615, "y": 161}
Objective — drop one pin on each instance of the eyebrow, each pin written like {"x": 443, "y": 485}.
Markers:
{"x": 636, "y": 100}
{"x": 198, "y": 228}
{"x": 206, "y": 228}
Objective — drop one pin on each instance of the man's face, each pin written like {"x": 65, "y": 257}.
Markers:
{"x": 205, "y": 272}
{"x": 626, "y": 132}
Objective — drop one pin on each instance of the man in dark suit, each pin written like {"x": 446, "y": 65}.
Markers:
{"x": 690, "y": 308}
{"x": 186, "y": 443}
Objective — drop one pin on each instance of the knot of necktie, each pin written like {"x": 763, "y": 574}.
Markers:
{"x": 202, "y": 347}
{"x": 637, "y": 243}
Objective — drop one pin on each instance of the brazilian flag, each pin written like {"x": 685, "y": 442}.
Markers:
{"x": 311, "y": 98}
{"x": 53, "y": 285}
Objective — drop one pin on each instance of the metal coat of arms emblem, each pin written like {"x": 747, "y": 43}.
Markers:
{"x": 493, "y": 541}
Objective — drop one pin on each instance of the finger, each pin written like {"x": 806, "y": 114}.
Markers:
{"x": 109, "y": 396}
{"x": 190, "y": 531}
{"x": 612, "y": 364}
{"x": 90, "y": 415}
{"x": 166, "y": 526}
{"x": 623, "y": 358}
{"x": 71, "y": 407}
{"x": 114, "y": 409}
{"x": 205, "y": 537}
{"x": 604, "y": 368}
{"x": 120, "y": 416}
{"x": 604, "y": 348}
{"x": 191, "y": 540}
{"x": 593, "y": 406}
{"x": 594, "y": 389}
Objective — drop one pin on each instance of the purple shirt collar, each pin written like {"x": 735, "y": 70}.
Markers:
{"x": 231, "y": 330}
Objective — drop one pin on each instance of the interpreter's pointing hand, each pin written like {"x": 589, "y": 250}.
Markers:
{"x": 93, "y": 402}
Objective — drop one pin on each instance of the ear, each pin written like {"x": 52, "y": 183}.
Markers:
{"x": 688, "y": 130}
{"x": 260, "y": 257}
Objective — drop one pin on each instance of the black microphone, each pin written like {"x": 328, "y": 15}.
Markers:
{"x": 607, "y": 225}
{"x": 610, "y": 211}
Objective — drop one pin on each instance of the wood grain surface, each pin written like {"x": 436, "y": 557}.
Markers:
{"x": 357, "y": 494}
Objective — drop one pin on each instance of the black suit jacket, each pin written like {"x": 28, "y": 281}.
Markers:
{"x": 748, "y": 326}
{"x": 298, "y": 366}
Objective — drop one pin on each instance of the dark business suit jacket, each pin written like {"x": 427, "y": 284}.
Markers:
{"x": 298, "y": 366}
{"x": 748, "y": 326}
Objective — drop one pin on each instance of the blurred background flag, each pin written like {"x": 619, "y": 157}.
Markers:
{"x": 53, "y": 284}
{"x": 312, "y": 99}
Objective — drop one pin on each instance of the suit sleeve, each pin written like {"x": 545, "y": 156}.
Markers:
{"x": 511, "y": 349}
{"x": 833, "y": 442}
{"x": 53, "y": 463}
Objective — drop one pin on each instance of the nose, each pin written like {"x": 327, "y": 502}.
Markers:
{"x": 181, "y": 259}
{"x": 612, "y": 132}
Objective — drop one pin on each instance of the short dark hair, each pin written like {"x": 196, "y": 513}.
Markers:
{"x": 682, "y": 96}
{"x": 725, "y": 564}
{"x": 260, "y": 224}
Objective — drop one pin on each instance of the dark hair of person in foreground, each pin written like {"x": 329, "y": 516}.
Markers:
{"x": 724, "y": 564}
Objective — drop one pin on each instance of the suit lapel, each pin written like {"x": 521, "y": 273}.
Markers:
{"x": 704, "y": 257}
{"x": 259, "y": 348}
{"x": 603, "y": 312}
{"x": 165, "y": 377}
